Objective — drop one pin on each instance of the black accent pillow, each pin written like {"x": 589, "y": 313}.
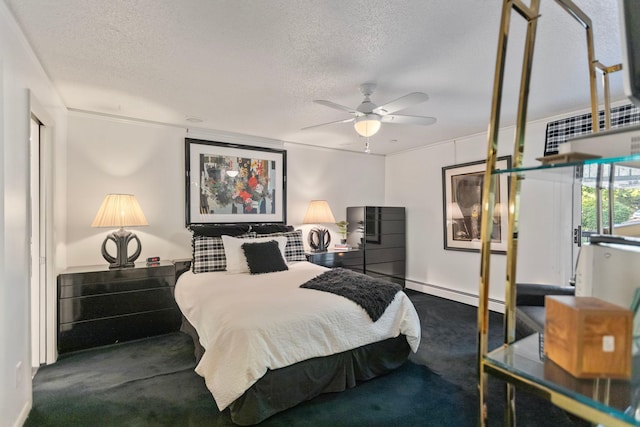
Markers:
{"x": 210, "y": 230}
{"x": 271, "y": 228}
{"x": 264, "y": 257}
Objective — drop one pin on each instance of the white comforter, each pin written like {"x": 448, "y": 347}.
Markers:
{"x": 250, "y": 323}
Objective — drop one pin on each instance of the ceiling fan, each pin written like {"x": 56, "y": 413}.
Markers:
{"x": 368, "y": 117}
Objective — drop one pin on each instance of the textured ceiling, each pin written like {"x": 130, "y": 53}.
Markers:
{"x": 255, "y": 67}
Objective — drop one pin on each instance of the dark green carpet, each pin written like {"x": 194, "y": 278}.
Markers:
{"x": 151, "y": 382}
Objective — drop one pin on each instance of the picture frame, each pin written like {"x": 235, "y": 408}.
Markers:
{"x": 462, "y": 186}
{"x": 232, "y": 183}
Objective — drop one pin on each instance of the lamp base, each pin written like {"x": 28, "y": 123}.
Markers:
{"x": 319, "y": 239}
{"x": 121, "y": 238}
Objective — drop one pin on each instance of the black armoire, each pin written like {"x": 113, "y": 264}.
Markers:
{"x": 379, "y": 232}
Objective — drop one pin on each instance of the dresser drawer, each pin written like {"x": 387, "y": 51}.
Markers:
{"x": 99, "y": 306}
{"x": 82, "y": 335}
{"x": 332, "y": 259}
{"x": 115, "y": 304}
{"x": 78, "y": 284}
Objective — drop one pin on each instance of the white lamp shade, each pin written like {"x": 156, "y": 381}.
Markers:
{"x": 367, "y": 125}
{"x": 318, "y": 212}
{"x": 119, "y": 210}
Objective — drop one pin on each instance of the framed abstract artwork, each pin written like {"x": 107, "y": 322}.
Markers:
{"x": 231, "y": 183}
{"x": 462, "y": 198}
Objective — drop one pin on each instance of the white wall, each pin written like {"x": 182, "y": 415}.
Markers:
{"x": 100, "y": 155}
{"x": 19, "y": 71}
{"x": 342, "y": 178}
{"x": 107, "y": 155}
{"x": 110, "y": 155}
{"x": 114, "y": 156}
{"x": 414, "y": 180}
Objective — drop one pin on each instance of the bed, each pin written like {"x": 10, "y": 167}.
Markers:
{"x": 264, "y": 343}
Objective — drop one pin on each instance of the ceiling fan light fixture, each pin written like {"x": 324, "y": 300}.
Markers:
{"x": 367, "y": 125}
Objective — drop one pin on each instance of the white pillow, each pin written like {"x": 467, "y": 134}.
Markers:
{"x": 236, "y": 261}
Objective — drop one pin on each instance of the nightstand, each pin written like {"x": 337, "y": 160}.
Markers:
{"x": 352, "y": 259}
{"x": 99, "y": 306}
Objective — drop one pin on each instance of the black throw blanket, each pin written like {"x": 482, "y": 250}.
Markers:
{"x": 374, "y": 295}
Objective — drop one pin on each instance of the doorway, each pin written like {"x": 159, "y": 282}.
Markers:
{"x": 37, "y": 247}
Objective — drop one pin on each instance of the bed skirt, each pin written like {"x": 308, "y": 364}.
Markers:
{"x": 286, "y": 387}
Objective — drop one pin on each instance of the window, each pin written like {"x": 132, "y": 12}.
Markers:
{"x": 626, "y": 201}
{"x": 625, "y": 182}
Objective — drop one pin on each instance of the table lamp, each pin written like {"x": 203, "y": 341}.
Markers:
{"x": 319, "y": 212}
{"x": 120, "y": 210}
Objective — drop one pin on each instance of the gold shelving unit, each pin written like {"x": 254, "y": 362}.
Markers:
{"x": 513, "y": 362}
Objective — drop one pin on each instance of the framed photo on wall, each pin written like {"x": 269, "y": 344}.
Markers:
{"x": 462, "y": 187}
{"x": 232, "y": 183}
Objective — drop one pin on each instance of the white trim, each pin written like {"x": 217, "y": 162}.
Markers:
{"x": 342, "y": 150}
{"x": 24, "y": 414}
{"x": 453, "y": 295}
{"x": 190, "y": 132}
{"x": 212, "y": 134}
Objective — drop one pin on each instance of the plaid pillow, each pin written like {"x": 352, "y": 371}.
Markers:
{"x": 208, "y": 253}
{"x": 294, "y": 251}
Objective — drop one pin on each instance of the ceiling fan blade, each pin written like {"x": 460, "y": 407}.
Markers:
{"x": 401, "y": 103}
{"x": 330, "y": 123}
{"x": 408, "y": 120}
{"x": 336, "y": 106}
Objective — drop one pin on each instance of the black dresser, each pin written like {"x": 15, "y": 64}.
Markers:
{"x": 99, "y": 306}
{"x": 379, "y": 232}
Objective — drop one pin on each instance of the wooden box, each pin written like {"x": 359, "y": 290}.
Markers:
{"x": 588, "y": 337}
